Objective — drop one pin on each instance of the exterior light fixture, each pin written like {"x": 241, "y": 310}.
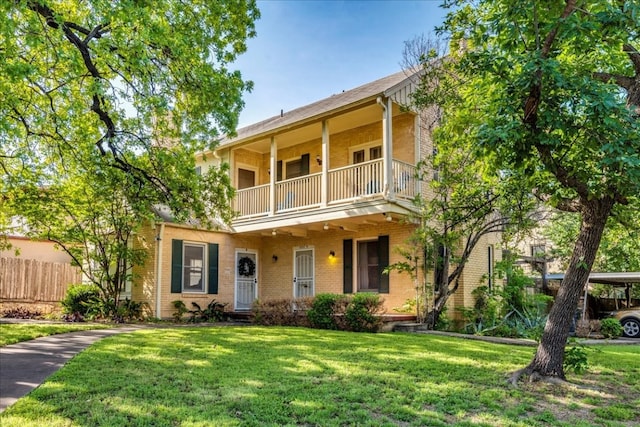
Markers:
{"x": 319, "y": 160}
{"x": 332, "y": 253}
{"x": 274, "y": 257}
{"x": 325, "y": 226}
{"x": 274, "y": 232}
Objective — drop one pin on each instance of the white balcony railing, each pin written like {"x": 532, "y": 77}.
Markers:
{"x": 296, "y": 193}
{"x": 344, "y": 185}
{"x": 252, "y": 201}
{"x": 355, "y": 181}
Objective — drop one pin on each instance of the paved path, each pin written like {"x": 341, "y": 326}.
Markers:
{"x": 24, "y": 366}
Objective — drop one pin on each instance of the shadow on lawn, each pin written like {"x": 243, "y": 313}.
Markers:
{"x": 282, "y": 376}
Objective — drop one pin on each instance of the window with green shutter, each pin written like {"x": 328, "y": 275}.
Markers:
{"x": 194, "y": 267}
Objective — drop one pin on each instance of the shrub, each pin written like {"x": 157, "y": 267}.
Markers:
{"x": 611, "y": 328}
{"x": 324, "y": 309}
{"x": 181, "y": 309}
{"x": 21, "y": 313}
{"x": 79, "y": 300}
{"x": 281, "y": 312}
{"x": 575, "y": 359}
{"x": 214, "y": 312}
{"x": 361, "y": 313}
{"x": 129, "y": 310}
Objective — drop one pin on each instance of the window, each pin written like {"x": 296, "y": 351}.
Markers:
{"x": 438, "y": 271}
{"x": 490, "y": 266}
{"x": 368, "y": 279}
{"x": 365, "y": 153}
{"x": 194, "y": 267}
{"x": 293, "y": 168}
{"x": 371, "y": 257}
{"x": 358, "y": 156}
{"x": 246, "y": 178}
{"x": 198, "y": 170}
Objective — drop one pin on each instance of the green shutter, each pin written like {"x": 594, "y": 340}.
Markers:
{"x": 213, "y": 269}
{"x": 383, "y": 262}
{"x": 304, "y": 168}
{"x": 176, "y": 266}
{"x": 347, "y": 269}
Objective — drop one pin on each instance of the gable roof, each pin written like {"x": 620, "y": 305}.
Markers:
{"x": 387, "y": 86}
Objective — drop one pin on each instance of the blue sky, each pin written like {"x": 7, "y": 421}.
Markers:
{"x": 308, "y": 50}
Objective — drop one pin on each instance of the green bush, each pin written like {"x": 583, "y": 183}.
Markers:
{"x": 323, "y": 311}
{"x": 214, "y": 312}
{"x": 281, "y": 312}
{"x": 80, "y": 299}
{"x": 611, "y": 328}
{"x": 575, "y": 359}
{"x": 361, "y": 313}
{"x": 181, "y": 309}
{"x": 129, "y": 310}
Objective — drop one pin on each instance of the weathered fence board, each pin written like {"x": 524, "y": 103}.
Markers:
{"x": 31, "y": 280}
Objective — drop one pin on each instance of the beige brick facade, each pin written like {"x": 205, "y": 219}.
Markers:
{"x": 410, "y": 142}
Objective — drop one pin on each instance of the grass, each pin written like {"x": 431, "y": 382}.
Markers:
{"x": 260, "y": 376}
{"x": 11, "y": 333}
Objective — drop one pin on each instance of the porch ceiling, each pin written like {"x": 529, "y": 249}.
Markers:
{"x": 361, "y": 116}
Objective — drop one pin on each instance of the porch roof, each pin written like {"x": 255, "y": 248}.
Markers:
{"x": 397, "y": 86}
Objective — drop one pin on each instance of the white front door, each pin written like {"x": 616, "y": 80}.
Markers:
{"x": 303, "y": 275}
{"x": 246, "y": 280}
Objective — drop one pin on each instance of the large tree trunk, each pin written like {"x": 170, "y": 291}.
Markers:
{"x": 549, "y": 358}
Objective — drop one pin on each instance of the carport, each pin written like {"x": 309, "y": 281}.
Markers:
{"x": 620, "y": 279}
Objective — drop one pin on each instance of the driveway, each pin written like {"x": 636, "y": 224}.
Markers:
{"x": 24, "y": 366}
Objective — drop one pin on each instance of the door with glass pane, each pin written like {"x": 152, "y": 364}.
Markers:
{"x": 246, "y": 280}
{"x": 303, "y": 275}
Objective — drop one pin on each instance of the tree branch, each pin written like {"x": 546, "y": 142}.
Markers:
{"x": 634, "y": 56}
{"x": 622, "y": 81}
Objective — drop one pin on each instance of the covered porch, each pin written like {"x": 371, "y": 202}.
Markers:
{"x": 340, "y": 186}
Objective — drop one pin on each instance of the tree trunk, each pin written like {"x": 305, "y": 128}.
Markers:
{"x": 549, "y": 358}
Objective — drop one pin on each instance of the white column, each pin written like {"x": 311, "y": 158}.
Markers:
{"x": 324, "y": 181}
{"x": 389, "y": 153}
{"x": 273, "y": 161}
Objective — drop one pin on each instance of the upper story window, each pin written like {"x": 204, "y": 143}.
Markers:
{"x": 246, "y": 178}
{"x": 365, "y": 153}
{"x": 293, "y": 168}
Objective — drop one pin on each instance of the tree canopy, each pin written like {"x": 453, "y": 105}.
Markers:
{"x": 104, "y": 105}
{"x": 135, "y": 86}
{"x": 550, "y": 92}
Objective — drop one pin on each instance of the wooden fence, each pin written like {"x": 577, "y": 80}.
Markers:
{"x": 29, "y": 280}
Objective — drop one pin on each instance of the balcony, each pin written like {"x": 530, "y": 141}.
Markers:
{"x": 360, "y": 182}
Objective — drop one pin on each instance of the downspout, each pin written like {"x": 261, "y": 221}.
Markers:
{"x": 159, "y": 237}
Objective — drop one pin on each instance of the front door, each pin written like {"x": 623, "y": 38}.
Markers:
{"x": 303, "y": 276}
{"x": 246, "y": 280}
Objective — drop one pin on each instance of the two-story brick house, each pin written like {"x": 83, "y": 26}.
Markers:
{"x": 323, "y": 198}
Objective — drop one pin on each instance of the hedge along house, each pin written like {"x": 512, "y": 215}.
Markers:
{"x": 324, "y": 195}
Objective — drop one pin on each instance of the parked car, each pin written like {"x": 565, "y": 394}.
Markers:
{"x": 630, "y": 320}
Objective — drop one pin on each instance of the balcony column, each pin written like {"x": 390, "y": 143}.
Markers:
{"x": 324, "y": 181}
{"x": 388, "y": 155}
{"x": 387, "y": 147}
{"x": 273, "y": 161}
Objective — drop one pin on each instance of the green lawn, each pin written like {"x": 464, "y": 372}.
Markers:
{"x": 11, "y": 333}
{"x": 260, "y": 376}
